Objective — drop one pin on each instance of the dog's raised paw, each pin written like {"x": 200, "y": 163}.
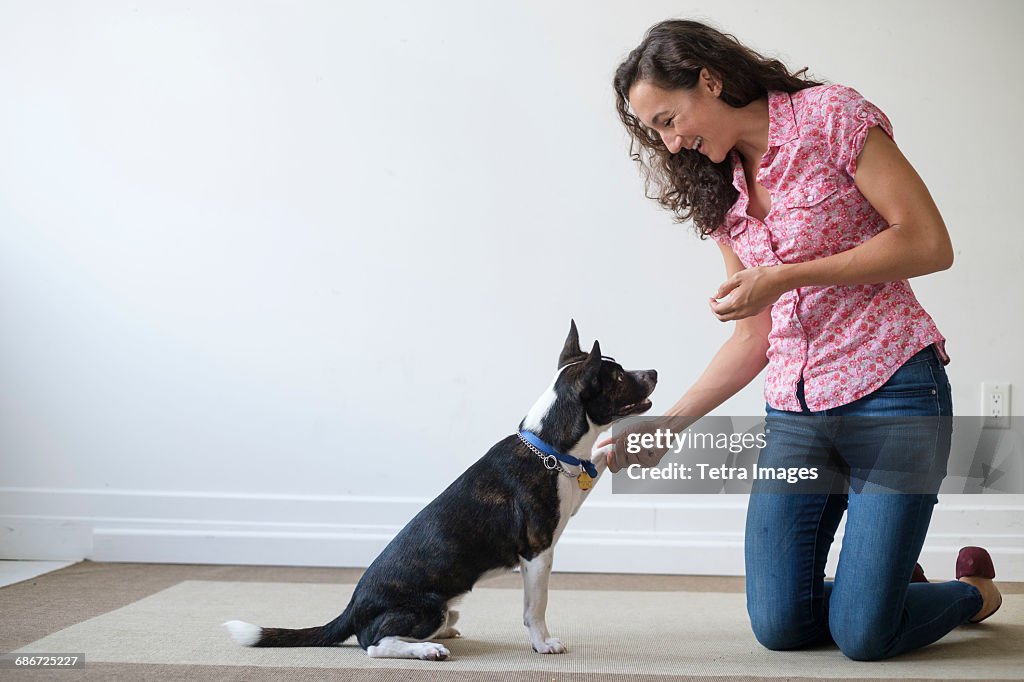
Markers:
{"x": 551, "y": 645}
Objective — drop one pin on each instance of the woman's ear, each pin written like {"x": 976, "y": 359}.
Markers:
{"x": 710, "y": 81}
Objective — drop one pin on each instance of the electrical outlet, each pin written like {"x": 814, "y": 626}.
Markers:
{"x": 995, "y": 404}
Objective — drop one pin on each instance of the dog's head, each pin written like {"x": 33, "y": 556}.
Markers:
{"x": 590, "y": 390}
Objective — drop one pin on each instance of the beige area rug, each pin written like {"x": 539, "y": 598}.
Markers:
{"x": 606, "y": 631}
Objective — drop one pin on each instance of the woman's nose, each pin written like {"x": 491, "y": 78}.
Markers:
{"x": 672, "y": 142}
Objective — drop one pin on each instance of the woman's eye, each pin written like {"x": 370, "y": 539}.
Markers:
{"x": 668, "y": 123}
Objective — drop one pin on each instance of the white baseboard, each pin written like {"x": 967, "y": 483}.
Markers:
{"x": 699, "y": 535}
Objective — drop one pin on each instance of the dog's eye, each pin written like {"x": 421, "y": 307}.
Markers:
{"x": 618, "y": 377}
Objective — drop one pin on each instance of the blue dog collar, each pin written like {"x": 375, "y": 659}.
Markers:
{"x": 536, "y": 442}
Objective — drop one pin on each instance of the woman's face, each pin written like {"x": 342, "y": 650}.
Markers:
{"x": 686, "y": 119}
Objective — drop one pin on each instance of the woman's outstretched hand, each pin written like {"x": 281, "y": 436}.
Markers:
{"x": 624, "y": 446}
{"x": 747, "y": 293}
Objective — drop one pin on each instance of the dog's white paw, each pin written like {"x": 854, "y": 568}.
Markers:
{"x": 396, "y": 647}
{"x": 429, "y": 651}
{"x": 551, "y": 645}
{"x": 599, "y": 456}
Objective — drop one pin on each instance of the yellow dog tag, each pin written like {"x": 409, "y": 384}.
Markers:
{"x": 585, "y": 481}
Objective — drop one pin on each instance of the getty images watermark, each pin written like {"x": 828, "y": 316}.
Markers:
{"x": 665, "y": 439}
{"x": 821, "y": 454}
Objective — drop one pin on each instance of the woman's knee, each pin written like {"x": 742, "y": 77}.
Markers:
{"x": 781, "y": 629}
{"x": 862, "y": 643}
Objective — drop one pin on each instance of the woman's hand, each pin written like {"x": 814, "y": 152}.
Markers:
{"x": 624, "y": 448}
{"x": 748, "y": 292}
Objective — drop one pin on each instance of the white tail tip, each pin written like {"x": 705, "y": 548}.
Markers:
{"x": 245, "y": 634}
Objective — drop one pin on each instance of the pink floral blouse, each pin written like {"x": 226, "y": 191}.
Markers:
{"x": 844, "y": 341}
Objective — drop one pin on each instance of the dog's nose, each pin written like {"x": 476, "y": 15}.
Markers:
{"x": 652, "y": 374}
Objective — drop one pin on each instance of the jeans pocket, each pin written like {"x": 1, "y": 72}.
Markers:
{"x": 913, "y": 390}
{"x": 912, "y": 380}
{"x": 909, "y": 391}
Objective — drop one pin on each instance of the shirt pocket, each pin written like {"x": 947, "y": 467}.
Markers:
{"x": 808, "y": 198}
{"x": 802, "y": 229}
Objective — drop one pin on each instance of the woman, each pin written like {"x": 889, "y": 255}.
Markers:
{"x": 820, "y": 220}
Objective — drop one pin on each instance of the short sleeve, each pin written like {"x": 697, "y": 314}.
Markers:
{"x": 847, "y": 119}
{"x": 721, "y": 235}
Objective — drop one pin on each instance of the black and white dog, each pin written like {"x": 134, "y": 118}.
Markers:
{"x": 507, "y": 509}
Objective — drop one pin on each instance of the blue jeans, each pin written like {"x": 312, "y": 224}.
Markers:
{"x": 871, "y": 610}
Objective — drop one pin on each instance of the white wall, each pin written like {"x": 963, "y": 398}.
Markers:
{"x": 273, "y": 274}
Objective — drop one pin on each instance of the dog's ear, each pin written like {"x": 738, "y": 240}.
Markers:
{"x": 571, "y": 350}
{"x": 588, "y": 377}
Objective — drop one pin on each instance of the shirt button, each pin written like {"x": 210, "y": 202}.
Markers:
{"x": 810, "y": 197}
{"x": 862, "y": 114}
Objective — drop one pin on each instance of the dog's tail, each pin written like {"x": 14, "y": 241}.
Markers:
{"x": 335, "y": 632}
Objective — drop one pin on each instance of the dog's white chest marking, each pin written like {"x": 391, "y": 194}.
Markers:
{"x": 534, "y": 419}
{"x": 570, "y": 494}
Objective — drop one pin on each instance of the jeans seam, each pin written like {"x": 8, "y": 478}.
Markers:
{"x": 922, "y": 507}
{"x": 935, "y": 384}
{"x": 938, "y": 415}
{"x": 814, "y": 554}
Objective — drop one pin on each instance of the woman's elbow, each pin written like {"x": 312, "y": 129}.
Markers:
{"x": 935, "y": 249}
{"x": 755, "y": 344}
{"x": 942, "y": 246}
{"x": 942, "y": 256}
{"x": 929, "y": 241}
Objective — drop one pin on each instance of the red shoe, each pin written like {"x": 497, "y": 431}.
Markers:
{"x": 975, "y": 561}
{"x": 918, "y": 575}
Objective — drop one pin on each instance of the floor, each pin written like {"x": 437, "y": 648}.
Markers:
{"x": 15, "y": 571}
{"x": 87, "y": 600}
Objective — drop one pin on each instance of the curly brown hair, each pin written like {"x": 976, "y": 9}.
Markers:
{"x": 671, "y": 56}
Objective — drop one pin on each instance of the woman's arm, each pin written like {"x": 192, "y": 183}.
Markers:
{"x": 739, "y": 360}
{"x": 916, "y": 242}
